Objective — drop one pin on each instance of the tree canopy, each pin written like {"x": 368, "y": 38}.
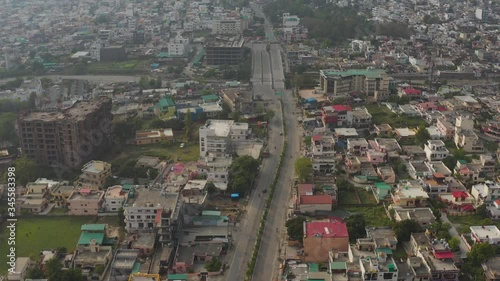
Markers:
{"x": 213, "y": 265}
{"x": 26, "y": 170}
{"x": 243, "y": 171}
{"x": 295, "y": 228}
{"x": 356, "y": 226}
{"x": 303, "y": 169}
{"x": 479, "y": 253}
{"x": 404, "y": 229}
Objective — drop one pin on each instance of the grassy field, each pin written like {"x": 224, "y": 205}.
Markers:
{"x": 42, "y": 233}
{"x": 348, "y": 197}
{"x": 366, "y": 197}
{"x": 102, "y": 67}
{"x": 382, "y": 115}
{"x": 169, "y": 151}
{"x": 470, "y": 220}
{"x": 356, "y": 195}
{"x": 374, "y": 216}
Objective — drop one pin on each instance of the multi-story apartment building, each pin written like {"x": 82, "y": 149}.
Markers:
{"x": 69, "y": 137}
{"x": 336, "y": 115}
{"x": 357, "y": 146}
{"x": 446, "y": 129}
{"x": 485, "y": 234}
{"x": 486, "y": 193}
{"x": 409, "y": 194}
{"x": 216, "y": 170}
{"x": 492, "y": 130}
{"x": 465, "y": 137}
{"x": 114, "y": 198}
{"x": 148, "y": 210}
{"x": 178, "y": 47}
{"x": 227, "y": 26}
{"x": 373, "y": 83}
{"x": 320, "y": 237}
{"x": 221, "y": 51}
{"x": 85, "y": 202}
{"x": 322, "y": 145}
{"x": 360, "y": 118}
{"x": 435, "y": 150}
{"x": 94, "y": 174}
{"x": 217, "y": 137}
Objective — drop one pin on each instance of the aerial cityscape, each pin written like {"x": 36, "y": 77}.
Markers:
{"x": 250, "y": 140}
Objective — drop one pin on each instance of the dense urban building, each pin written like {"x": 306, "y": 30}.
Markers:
{"x": 224, "y": 50}
{"x": 372, "y": 82}
{"x": 69, "y": 137}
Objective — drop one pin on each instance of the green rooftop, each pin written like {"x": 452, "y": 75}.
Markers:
{"x": 462, "y": 161}
{"x": 313, "y": 267}
{"x": 210, "y": 98}
{"x": 210, "y": 217}
{"x": 383, "y": 250}
{"x": 210, "y": 213}
{"x": 177, "y": 277}
{"x": 93, "y": 227}
{"x": 136, "y": 268}
{"x": 338, "y": 265}
{"x": 163, "y": 55}
{"x": 368, "y": 73}
{"x": 166, "y": 102}
{"x": 86, "y": 237}
{"x": 382, "y": 185}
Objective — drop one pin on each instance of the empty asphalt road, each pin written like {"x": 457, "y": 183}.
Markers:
{"x": 245, "y": 235}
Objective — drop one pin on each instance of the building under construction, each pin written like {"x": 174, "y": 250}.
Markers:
{"x": 70, "y": 137}
{"x": 224, "y": 50}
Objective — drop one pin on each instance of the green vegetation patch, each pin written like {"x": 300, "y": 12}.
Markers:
{"x": 43, "y": 233}
{"x": 365, "y": 196}
{"x": 471, "y": 220}
{"x": 374, "y": 216}
{"x": 167, "y": 151}
{"x": 382, "y": 115}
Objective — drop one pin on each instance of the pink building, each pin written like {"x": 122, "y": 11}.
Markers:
{"x": 85, "y": 202}
{"x": 425, "y": 107}
{"x": 375, "y": 157}
{"x": 445, "y": 128}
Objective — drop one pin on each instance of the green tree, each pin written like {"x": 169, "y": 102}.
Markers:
{"x": 479, "y": 253}
{"x": 144, "y": 82}
{"x": 99, "y": 269}
{"x": 211, "y": 189}
{"x": 121, "y": 217}
{"x": 111, "y": 181}
{"x": 72, "y": 274}
{"x": 450, "y": 162}
{"x": 188, "y": 126}
{"x": 303, "y": 169}
{"x": 307, "y": 141}
{"x": 404, "y": 229}
{"x": 26, "y": 170}
{"x": 356, "y": 226}
{"x": 243, "y": 171}
{"x": 454, "y": 244}
{"x": 102, "y": 19}
{"x": 53, "y": 269}
{"x": 7, "y": 120}
{"x": 32, "y": 100}
{"x": 81, "y": 68}
{"x": 213, "y": 265}
{"x": 295, "y": 228}
{"x": 422, "y": 135}
{"x": 35, "y": 273}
